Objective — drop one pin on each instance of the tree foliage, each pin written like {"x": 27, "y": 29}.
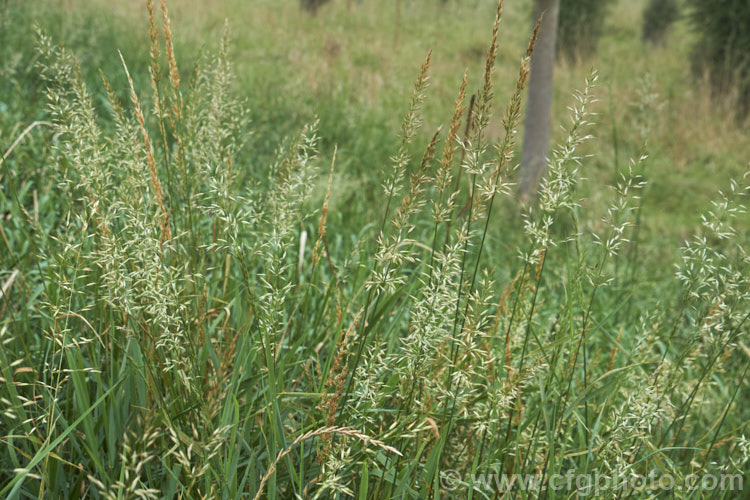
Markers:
{"x": 722, "y": 50}
{"x": 580, "y": 25}
{"x": 658, "y": 17}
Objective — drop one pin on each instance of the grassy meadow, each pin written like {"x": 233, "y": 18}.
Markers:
{"x": 249, "y": 252}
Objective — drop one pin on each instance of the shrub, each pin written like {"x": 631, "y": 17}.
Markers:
{"x": 658, "y": 17}
{"x": 722, "y": 50}
{"x": 580, "y": 25}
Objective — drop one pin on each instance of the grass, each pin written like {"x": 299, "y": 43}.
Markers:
{"x": 205, "y": 297}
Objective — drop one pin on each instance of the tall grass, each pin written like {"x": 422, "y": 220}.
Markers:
{"x": 174, "y": 334}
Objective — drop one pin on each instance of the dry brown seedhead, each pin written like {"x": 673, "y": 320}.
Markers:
{"x": 154, "y": 69}
{"x": 613, "y": 353}
{"x": 534, "y": 36}
{"x": 429, "y": 153}
{"x": 324, "y": 214}
{"x": 423, "y": 76}
{"x": 413, "y": 199}
{"x": 335, "y": 385}
{"x": 489, "y": 66}
{"x": 174, "y": 76}
{"x": 451, "y": 144}
{"x": 166, "y": 234}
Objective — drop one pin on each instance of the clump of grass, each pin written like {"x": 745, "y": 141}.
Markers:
{"x": 174, "y": 337}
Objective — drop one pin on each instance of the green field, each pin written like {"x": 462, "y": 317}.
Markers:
{"x": 254, "y": 269}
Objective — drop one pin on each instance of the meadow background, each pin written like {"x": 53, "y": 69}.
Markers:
{"x": 96, "y": 403}
{"x": 345, "y": 66}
